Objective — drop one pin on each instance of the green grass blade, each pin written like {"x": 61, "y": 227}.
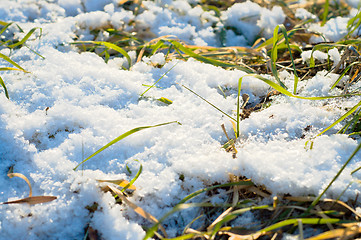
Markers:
{"x": 335, "y": 177}
{"x": 343, "y": 73}
{"x": 322, "y": 46}
{"x": 6, "y": 58}
{"x": 111, "y": 46}
{"x": 352, "y": 110}
{"x": 234, "y": 214}
{"x": 183, "y": 237}
{"x": 159, "y": 44}
{"x": 207, "y": 60}
{"x": 165, "y": 100}
{"x": 274, "y": 53}
{"x": 118, "y": 49}
{"x": 22, "y": 41}
{"x": 284, "y": 31}
{"x": 287, "y": 93}
{"x": 4, "y": 28}
{"x": 209, "y": 103}
{"x": 5, "y": 89}
{"x": 135, "y": 178}
{"x": 124, "y": 135}
{"x": 314, "y": 221}
{"x": 196, "y": 193}
{"x": 158, "y": 80}
{"x": 325, "y": 12}
{"x": 238, "y": 105}
{"x": 352, "y": 26}
{"x": 9, "y": 69}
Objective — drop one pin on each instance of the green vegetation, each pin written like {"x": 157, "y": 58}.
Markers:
{"x": 286, "y": 214}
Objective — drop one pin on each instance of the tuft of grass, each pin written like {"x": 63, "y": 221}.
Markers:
{"x": 12, "y": 44}
{"x": 107, "y": 46}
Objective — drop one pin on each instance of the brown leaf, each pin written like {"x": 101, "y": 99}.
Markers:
{"x": 32, "y": 200}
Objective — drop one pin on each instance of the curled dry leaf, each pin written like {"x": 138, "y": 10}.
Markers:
{"x": 11, "y": 175}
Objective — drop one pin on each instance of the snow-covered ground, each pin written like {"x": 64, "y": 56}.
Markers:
{"x": 71, "y": 104}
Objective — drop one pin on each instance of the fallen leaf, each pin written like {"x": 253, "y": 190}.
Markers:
{"x": 33, "y": 200}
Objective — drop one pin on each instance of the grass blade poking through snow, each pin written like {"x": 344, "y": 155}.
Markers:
{"x": 274, "y": 51}
{"x": 274, "y": 54}
{"x": 284, "y": 31}
{"x": 5, "y": 89}
{"x": 124, "y": 135}
{"x": 201, "y": 58}
{"x": 111, "y": 46}
{"x": 27, "y": 36}
{"x": 336, "y": 176}
{"x": 7, "y": 59}
{"x": 325, "y": 12}
{"x": 135, "y": 178}
{"x": 238, "y": 105}
{"x": 209, "y": 103}
{"x": 158, "y": 80}
{"x": 352, "y": 110}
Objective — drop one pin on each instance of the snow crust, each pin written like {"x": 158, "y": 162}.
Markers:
{"x": 72, "y": 104}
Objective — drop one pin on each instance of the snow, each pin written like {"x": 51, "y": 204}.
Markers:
{"x": 71, "y": 104}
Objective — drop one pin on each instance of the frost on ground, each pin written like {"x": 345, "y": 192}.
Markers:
{"x": 71, "y": 104}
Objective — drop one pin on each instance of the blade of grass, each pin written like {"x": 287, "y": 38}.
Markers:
{"x": 231, "y": 184}
{"x": 229, "y": 217}
{"x": 209, "y": 103}
{"x": 274, "y": 54}
{"x": 4, "y": 28}
{"x": 124, "y": 135}
{"x": 158, "y": 80}
{"x": 135, "y": 177}
{"x": 27, "y": 36}
{"x": 325, "y": 12}
{"x": 334, "y": 178}
{"x": 343, "y": 73}
{"x": 352, "y": 26}
{"x": 238, "y": 106}
{"x": 111, "y": 46}
{"x": 287, "y": 93}
{"x": 284, "y": 31}
{"x": 353, "y": 109}
{"x": 5, "y": 89}
{"x": 6, "y": 58}
{"x": 200, "y": 58}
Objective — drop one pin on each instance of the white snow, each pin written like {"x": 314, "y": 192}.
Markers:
{"x": 71, "y": 104}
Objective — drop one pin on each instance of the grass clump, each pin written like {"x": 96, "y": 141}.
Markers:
{"x": 10, "y": 44}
